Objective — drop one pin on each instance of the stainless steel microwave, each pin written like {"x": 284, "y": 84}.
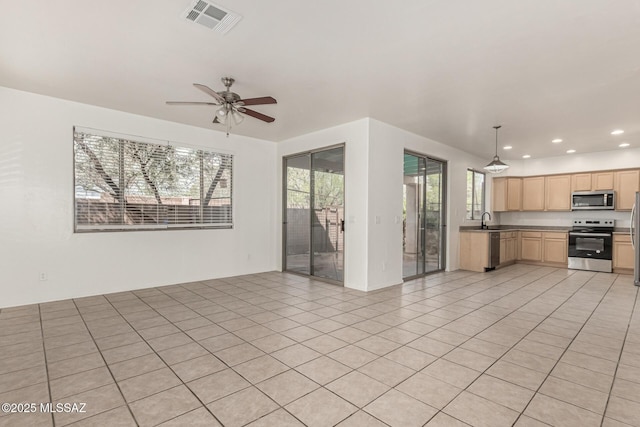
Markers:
{"x": 593, "y": 200}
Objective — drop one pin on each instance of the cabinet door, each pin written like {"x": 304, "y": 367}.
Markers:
{"x": 474, "y": 251}
{"x": 602, "y": 180}
{"x": 558, "y": 193}
{"x": 499, "y": 194}
{"x": 511, "y": 249}
{"x": 531, "y": 249}
{"x": 503, "y": 250}
{"x": 623, "y": 253}
{"x": 555, "y": 250}
{"x": 581, "y": 182}
{"x": 626, "y": 184}
{"x": 514, "y": 194}
{"x": 533, "y": 193}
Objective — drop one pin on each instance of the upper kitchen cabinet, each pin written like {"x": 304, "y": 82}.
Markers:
{"x": 506, "y": 194}
{"x": 602, "y": 181}
{"x": 626, "y": 183}
{"x": 558, "y": 193}
{"x": 533, "y": 193}
{"x": 595, "y": 181}
{"x": 581, "y": 182}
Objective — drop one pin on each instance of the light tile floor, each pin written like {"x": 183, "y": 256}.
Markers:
{"x": 524, "y": 346}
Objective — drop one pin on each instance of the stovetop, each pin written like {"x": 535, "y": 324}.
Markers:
{"x": 593, "y": 225}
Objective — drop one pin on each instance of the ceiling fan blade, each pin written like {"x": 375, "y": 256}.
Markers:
{"x": 257, "y": 115}
{"x": 190, "y": 103}
{"x": 259, "y": 101}
{"x": 209, "y": 91}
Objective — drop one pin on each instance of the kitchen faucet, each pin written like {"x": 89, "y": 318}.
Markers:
{"x": 483, "y": 225}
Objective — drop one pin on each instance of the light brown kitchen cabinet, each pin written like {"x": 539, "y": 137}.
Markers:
{"x": 627, "y": 182}
{"x": 533, "y": 193}
{"x": 558, "y": 193}
{"x": 506, "y": 194}
{"x": 531, "y": 246}
{"x": 623, "y": 253}
{"x": 474, "y": 251}
{"x": 602, "y": 181}
{"x": 581, "y": 182}
{"x": 554, "y": 247}
{"x": 508, "y": 241}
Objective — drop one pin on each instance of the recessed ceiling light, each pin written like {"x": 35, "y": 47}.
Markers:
{"x": 624, "y": 144}
{"x": 526, "y": 156}
{"x": 571, "y": 151}
{"x": 507, "y": 147}
{"x": 617, "y": 132}
{"x": 556, "y": 141}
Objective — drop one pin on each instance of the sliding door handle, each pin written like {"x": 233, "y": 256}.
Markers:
{"x": 342, "y": 226}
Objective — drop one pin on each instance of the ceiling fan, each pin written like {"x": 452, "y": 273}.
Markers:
{"x": 232, "y": 107}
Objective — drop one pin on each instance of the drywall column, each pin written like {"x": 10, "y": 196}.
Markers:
{"x": 355, "y": 137}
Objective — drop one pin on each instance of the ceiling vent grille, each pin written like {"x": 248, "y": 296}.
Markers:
{"x": 212, "y": 16}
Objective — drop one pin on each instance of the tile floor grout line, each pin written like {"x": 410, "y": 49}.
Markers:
{"x": 615, "y": 372}
{"x": 167, "y": 365}
{"x": 492, "y": 324}
{"x": 46, "y": 366}
{"x": 604, "y": 294}
{"x": 445, "y": 290}
{"x": 509, "y": 348}
{"x": 106, "y": 366}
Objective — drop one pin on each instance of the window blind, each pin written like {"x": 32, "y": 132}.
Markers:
{"x": 124, "y": 184}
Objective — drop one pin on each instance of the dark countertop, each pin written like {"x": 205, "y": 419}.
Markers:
{"x": 475, "y": 228}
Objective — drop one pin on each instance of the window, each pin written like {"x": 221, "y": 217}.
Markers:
{"x": 122, "y": 184}
{"x": 475, "y": 194}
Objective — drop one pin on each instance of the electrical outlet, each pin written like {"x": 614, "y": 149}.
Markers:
{"x": 42, "y": 276}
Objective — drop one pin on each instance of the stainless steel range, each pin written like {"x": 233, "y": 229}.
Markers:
{"x": 591, "y": 244}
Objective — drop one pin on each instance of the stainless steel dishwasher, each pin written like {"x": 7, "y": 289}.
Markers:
{"x": 494, "y": 250}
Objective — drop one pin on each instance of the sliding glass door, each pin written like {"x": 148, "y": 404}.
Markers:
{"x": 424, "y": 215}
{"x": 313, "y": 217}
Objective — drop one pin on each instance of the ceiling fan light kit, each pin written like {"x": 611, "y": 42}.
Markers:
{"x": 232, "y": 107}
{"x": 496, "y": 165}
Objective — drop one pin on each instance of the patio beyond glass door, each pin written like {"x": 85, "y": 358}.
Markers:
{"x": 314, "y": 214}
{"x": 423, "y": 231}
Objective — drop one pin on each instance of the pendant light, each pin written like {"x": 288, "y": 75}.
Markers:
{"x": 496, "y": 166}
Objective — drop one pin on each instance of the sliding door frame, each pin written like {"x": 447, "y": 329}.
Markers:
{"x": 443, "y": 214}
{"x": 311, "y": 207}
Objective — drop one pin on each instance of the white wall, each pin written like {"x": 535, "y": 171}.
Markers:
{"x": 604, "y": 160}
{"x": 355, "y": 136}
{"x": 36, "y": 218}
{"x": 374, "y": 158}
{"x": 385, "y": 197}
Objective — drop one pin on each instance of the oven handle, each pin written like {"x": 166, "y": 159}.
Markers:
{"x": 577, "y": 233}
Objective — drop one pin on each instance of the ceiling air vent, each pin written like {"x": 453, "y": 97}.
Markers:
{"x": 212, "y": 16}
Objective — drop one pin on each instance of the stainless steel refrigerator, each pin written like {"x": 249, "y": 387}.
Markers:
{"x": 634, "y": 230}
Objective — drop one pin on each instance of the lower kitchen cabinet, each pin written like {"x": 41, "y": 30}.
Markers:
{"x": 623, "y": 252}
{"x": 536, "y": 247}
{"x": 508, "y": 245}
{"x": 531, "y": 246}
{"x": 554, "y": 247}
{"x": 474, "y": 251}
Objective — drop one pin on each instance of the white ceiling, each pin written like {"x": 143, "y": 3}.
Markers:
{"x": 445, "y": 69}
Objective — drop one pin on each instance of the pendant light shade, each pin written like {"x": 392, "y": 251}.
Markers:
{"x": 496, "y": 165}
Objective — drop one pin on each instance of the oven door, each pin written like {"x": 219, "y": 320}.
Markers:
{"x": 590, "y": 245}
